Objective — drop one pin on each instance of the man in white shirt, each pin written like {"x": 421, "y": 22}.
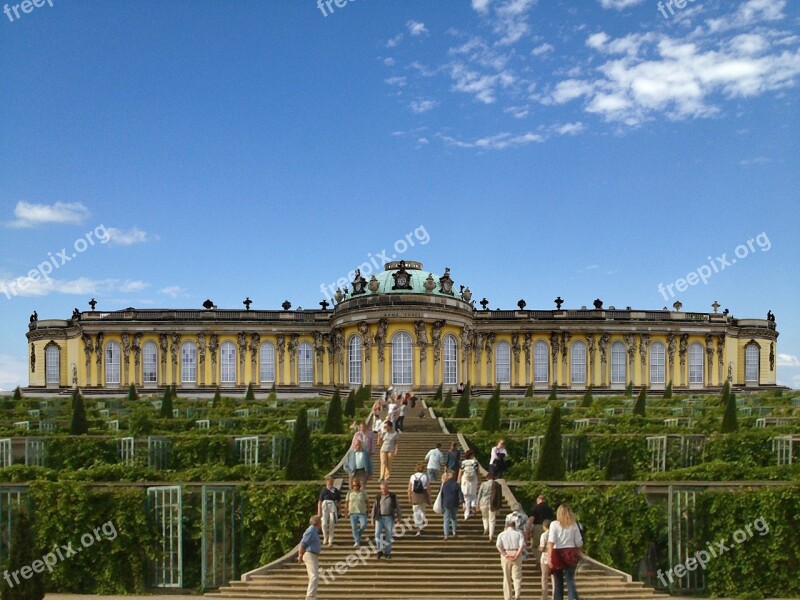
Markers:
{"x": 511, "y": 546}
{"x": 435, "y": 459}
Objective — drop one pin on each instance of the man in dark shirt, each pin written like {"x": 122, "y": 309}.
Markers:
{"x": 453, "y": 460}
{"x": 541, "y": 512}
{"x": 452, "y": 499}
{"x": 385, "y": 512}
{"x": 328, "y": 510}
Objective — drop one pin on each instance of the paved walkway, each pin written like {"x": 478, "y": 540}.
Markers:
{"x": 177, "y": 596}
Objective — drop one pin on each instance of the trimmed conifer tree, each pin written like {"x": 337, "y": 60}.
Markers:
{"x": 22, "y": 553}
{"x": 448, "y": 399}
{"x": 726, "y": 392}
{"x": 462, "y": 408}
{"x": 350, "y": 405}
{"x": 166, "y": 404}
{"x": 439, "y": 392}
{"x": 273, "y": 394}
{"x": 587, "y": 398}
{"x": 529, "y": 391}
{"x": 79, "y": 424}
{"x": 629, "y": 390}
{"x": 333, "y": 420}
{"x": 250, "y": 394}
{"x": 668, "y": 391}
{"x": 491, "y": 416}
{"x": 640, "y": 407}
{"x": 132, "y": 394}
{"x": 174, "y": 391}
{"x": 299, "y": 465}
{"x": 730, "y": 422}
{"x": 551, "y": 462}
{"x": 17, "y": 394}
{"x": 553, "y": 393}
{"x": 216, "y": 401}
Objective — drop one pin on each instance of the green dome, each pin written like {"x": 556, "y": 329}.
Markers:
{"x": 417, "y": 280}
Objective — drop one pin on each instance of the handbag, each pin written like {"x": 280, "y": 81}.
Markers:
{"x": 564, "y": 558}
{"x": 437, "y": 505}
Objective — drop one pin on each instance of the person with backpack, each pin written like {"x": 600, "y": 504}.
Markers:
{"x": 490, "y": 500}
{"x": 469, "y": 478}
{"x": 419, "y": 497}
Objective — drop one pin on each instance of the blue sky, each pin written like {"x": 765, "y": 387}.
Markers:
{"x": 263, "y": 149}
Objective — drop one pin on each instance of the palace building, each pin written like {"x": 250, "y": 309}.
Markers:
{"x": 407, "y": 328}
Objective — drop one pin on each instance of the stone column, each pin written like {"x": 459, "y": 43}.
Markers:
{"x": 590, "y": 358}
{"x": 201, "y": 358}
{"x": 554, "y": 348}
{"x": 280, "y": 345}
{"x": 644, "y": 342}
{"x": 98, "y": 349}
{"x": 213, "y": 346}
{"x": 163, "y": 346}
{"x": 603, "y": 346}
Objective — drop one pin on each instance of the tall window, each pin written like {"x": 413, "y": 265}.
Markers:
{"x": 752, "y": 355}
{"x": 52, "y": 364}
{"x": 450, "y": 360}
{"x": 696, "y": 363}
{"x": 578, "y": 363}
{"x": 402, "y": 369}
{"x": 149, "y": 363}
{"x": 354, "y": 359}
{"x": 618, "y": 363}
{"x": 657, "y": 363}
{"x": 305, "y": 363}
{"x": 227, "y": 362}
{"x": 541, "y": 362}
{"x": 502, "y": 362}
{"x": 267, "y": 362}
{"x": 188, "y": 362}
{"x": 112, "y": 363}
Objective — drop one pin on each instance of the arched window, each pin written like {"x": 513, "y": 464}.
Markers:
{"x": 541, "y": 362}
{"x": 267, "y": 362}
{"x": 354, "y": 359}
{"x": 52, "y": 364}
{"x": 657, "y": 363}
{"x": 696, "y": 363}
{"x": 450, "y": 360}
{"x": 752, "y": 356}
{"x": 305, "y": 363}
{"x": 619, "y": 364}
{"x": 502, "y": 362}
{"x": 188, "y": 362}
{"x": 578, "y": 363}
{"x": 402, "y": 369}
{"x": 227, "y": 362}
{"x": 149, "y": 363}
{"x": 112, "y": 363}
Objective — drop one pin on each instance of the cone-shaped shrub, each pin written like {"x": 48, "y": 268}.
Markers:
{"x": 216, "y": 402}
{"x": 350, "y": 405}
{"x": 491, "y": 416}
{"x": 551, "y": 461}
{"x": 462, "y": 408}
{"x": 132, "y": 395}
{"x": 448, "y": 399}
{"x": 730, "y": 421}
{"x": 273, "y": 394}
{"x": 553, "y": 393}
{"x": 629, "y": 390}
{"x": 79, "y": 424}
{"x": 250, "y": 395}
{"x": 587, "y": 398}
{"x": 299, "y": 466}
{"x": 726, "y": 392}
{"x": 529, "y": 391}
{"x": 668, "y": 391}
{"x": 640, "y": 407}
{"x": 166, "y": 404}
{"x": 333, "y": 421}
{"x": 439, "y": 392}
{"x": 17, "y": 394}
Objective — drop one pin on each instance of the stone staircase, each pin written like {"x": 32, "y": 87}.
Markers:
{"x": 465, "y": 567}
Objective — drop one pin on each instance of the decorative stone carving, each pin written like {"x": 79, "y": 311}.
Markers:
{"x": 526, "y": 347}
{"x": 213, "y": 346}
{"x": 772, "y": 356}
{"x": 466, "y": 295}
{"x": 163, "y": 344}
{"x": 319, "y": 344}
{"x": 373, "y": 285}
{"x": 402, "y": 279}
{"x": 710, "y": 351}
{"x": 515, "y": 346}
{"x": 730, "y": 371}
{"x": 74, "y": 374}
{"x": 292, "y": 345}
{"x": 643, "y": 344}
{"x": 126, "y": 347}
{"x": 338, "y": 344}
{"x": 87, "y": 349}
{"x": 671, "y": 347}
{"x": 429, "y": 284}
{"x": 436, "y": 340}
{"x": 630, "y": 341}
{"x": 466, "y": 340}
{"x": 98, "y": 348}
{"x": 280, "y": 343}
{"x": 366, "y": 339}
{"x": 602, "y": 345}
{"x": 721, "y": 349}
{"x": 201, "y": 349}
{"x": 684, "y": 345}
{"x": 33, "y": 358}
{"x": 137, "y": 348}
{"x": 176, "y": 340}
{"x": 566, "y": 336}
{"x": 477, "y": 346}
{"x": 380, "y": 338}
{"x": 329, "y": 340}
{"x": 420, "y": 329}
{"x": 446, "y": 283}
{"x": 489, "y": 346}
{"x": 554, "y": 346}
{"x": 255, "y": 342}
{"x": 359, "y": 283}
{"x": 241, "y": 339}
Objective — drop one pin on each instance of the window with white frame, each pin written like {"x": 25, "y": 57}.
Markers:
{"x": 619, "y": 365}
{"x": 267, "y": 362}
{"x": 188, "y": 362}
{"x": 696, "y": 363}
{"x": 112, "y": 363}
{"x": 305, "y": 363}
{"x": 658, "y": 363}
{"x": 150, "y": 362}
{"x": 52, "y": 364}
{"x": 752, "y": 356}
{"x": 502, "y": 362}
{"x": 402, "y": 367}
{"x": 541, "y": 362}
{"x": 450, "y": 360}
{"x": 354, "y": 359}
{"x": 227, "y": 362}
{"x": 578, "y": 363}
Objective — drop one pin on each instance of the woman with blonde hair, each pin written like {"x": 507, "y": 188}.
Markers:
{"x": 564, "y": 542}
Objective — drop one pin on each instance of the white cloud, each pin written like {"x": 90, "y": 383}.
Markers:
{"x": 423, "y": 106}
{"x": 398, "y": 81}
{"x": 26, "y": 287}
{"x": 748, "y": 14}
{"x": 570, "y": 128}
{"x": 788, "y": 360}
{"x": 481, "y": 6}
{"x": 543, "y": 49}
{"x": 29, "y": 214}
{"x": 173, "y": 291}
{"x": 128, "y": 238}
{"x": 395, "y": 41}
{"x": 501, "y": 141}
{"x": 596, "y": 40}
{"x": 619, "y": 4}
{"x": 388, "y": 61}
{"x": 518, "y": 112}
{"x": 482, "y": 86}
{"x": 415, "y": 28}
